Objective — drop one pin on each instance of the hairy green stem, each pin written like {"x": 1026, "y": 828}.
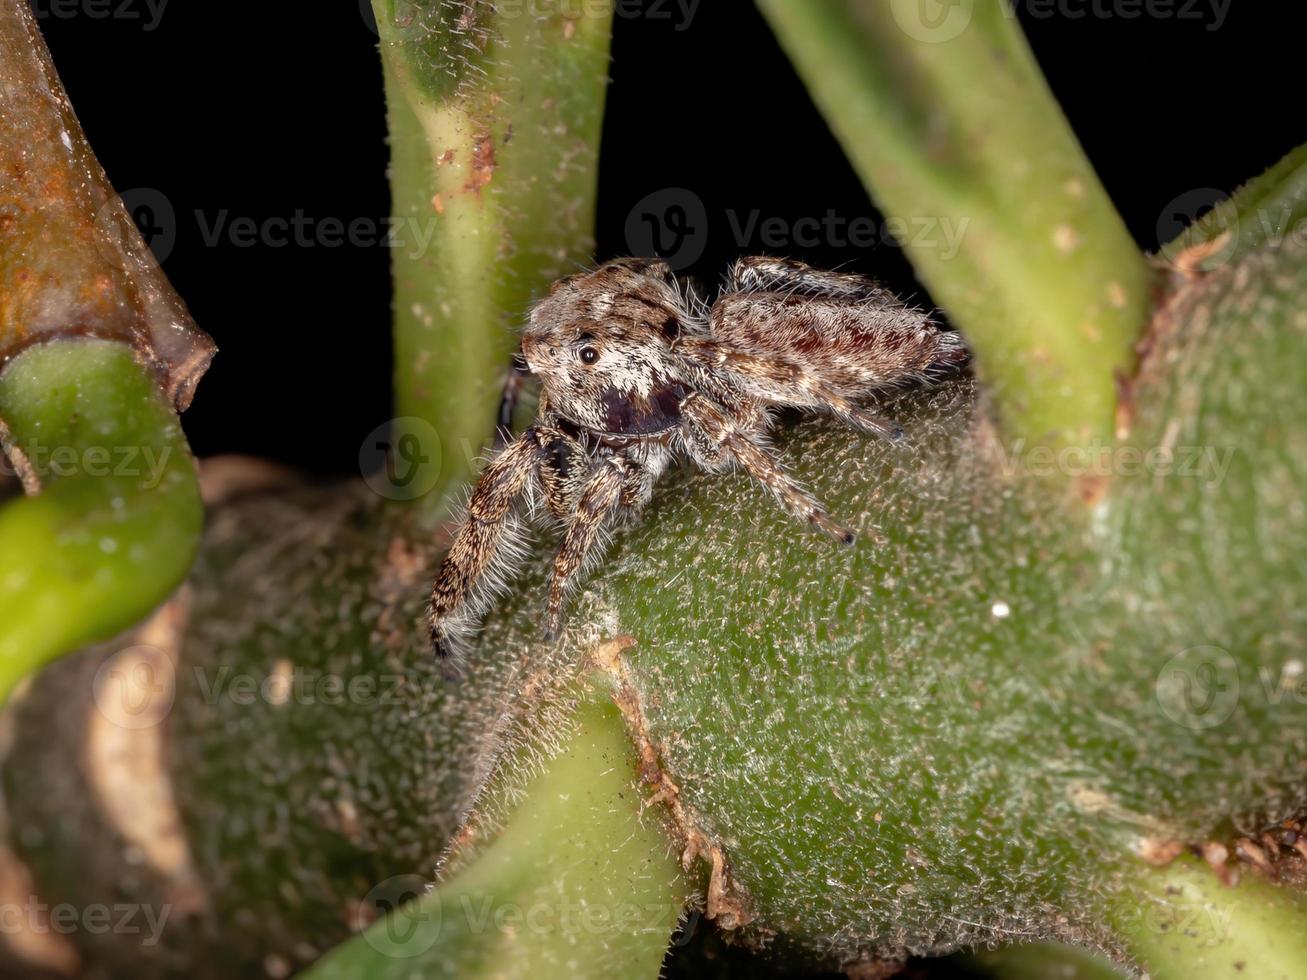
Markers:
{"x": 494, "y": 127}
{"x": 580, "y": 882}
{"x": 952, "y": 128}
{"x": 118, "y": 515}
{"x": 1266, "y": 211}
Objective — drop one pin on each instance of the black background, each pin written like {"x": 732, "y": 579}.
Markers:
{"x": 269, "y": 108}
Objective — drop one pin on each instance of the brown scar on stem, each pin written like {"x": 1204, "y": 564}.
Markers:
{"x": 1183, "y": 279}
{"x": 483, "y": 166}
{"x": 127, "y": 765}
{"x": 1125, "y": 404}
{"x": 1188, "y": 261}
{"x": 22, "y": 466}
{"x": 727, "y": 902}
{"x": 1278, "y": 853}
{"x": 1160, "y": 853}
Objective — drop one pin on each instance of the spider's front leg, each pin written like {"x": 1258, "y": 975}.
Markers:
{"x": 715, "y": 439}
{"x": 621, "y": 480}
{"x": 482, "y": 555}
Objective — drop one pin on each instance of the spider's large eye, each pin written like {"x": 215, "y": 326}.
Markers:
{"x": 589, "y": 355}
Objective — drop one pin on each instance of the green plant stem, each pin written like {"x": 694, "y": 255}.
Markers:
{"x": 579, "y": 883}
{"x": 118, "y": 516}
{"x": 1040, "y": 961}
{"x": 494, "y": 132}
{"x": 1265, "y": 211}
{"x": 1182, "y": 923}
{"x": 953, "y": 130}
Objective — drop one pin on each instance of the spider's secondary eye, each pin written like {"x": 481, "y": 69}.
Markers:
{"x": 589, "y": 355}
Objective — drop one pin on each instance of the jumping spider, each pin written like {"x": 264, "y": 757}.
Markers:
{"x": 635, "y": 371}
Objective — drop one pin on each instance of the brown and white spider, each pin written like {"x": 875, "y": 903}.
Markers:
{"x": 636, "y": 372}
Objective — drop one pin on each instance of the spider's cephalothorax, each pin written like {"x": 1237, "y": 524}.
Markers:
{"x": 635, "y": 372}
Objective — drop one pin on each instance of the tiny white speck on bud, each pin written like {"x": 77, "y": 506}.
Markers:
{"x": 1001, "y": 610}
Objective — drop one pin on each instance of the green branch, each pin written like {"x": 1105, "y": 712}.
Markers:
{"x": 1266, "y": 211}
{"x": 118, "y": 516}
{"x": 953, "y": 130}
{"x": 494, "y": 130}
{"x": 1040, "y": 961}
{"x": 581, "y": 882}
{"x": 1181, "y": 922}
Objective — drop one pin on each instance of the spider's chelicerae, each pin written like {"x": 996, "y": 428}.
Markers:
{"x": 636, "y": 372}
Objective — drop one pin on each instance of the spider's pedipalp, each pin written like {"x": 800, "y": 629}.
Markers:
{"x": 514, "y": 382}
{"x": 601, "y": 495}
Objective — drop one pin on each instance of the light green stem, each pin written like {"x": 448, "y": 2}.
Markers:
{"x": 118, "y": 516}
{"x": 580, "y": 883}
{"x": 494, "y": 131}
{"x": 1040, "y": 961}
{"x": 1184, "y": 924}
{"x": 952, "y": 128}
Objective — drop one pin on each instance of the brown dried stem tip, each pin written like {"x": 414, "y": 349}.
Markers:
{"x": 71, "y": 260}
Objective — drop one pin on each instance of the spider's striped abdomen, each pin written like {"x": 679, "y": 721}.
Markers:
{"x": 855, "y": 344}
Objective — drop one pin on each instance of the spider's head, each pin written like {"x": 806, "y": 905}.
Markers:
{"x": 601, "y": 344}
